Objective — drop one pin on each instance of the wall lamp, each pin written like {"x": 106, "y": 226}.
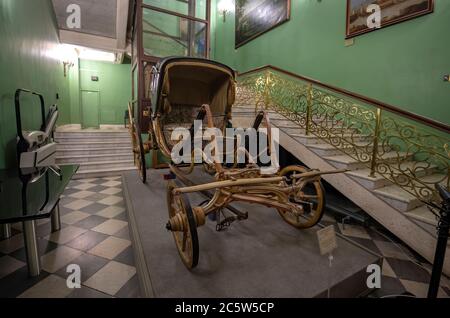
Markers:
{"x": 67, "y": 66}
{"x": 68, "y": 54}
{"x": 225, "y": 6}
{"x": 65, "y": 54}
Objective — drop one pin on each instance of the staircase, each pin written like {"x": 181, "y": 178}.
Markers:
{"x": 99, "y": 152}
{"x": 389, "y": 204}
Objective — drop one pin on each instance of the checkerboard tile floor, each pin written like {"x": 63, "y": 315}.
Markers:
{"x": 94, "y": 235}
{"x": 403, "y": 270}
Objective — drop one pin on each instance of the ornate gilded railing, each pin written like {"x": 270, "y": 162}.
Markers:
{"x": 411, "y": 151}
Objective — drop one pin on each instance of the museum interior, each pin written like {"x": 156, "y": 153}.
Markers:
{"x": 224, "y": 148}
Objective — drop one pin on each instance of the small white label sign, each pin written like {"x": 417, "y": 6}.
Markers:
{"x": 327, "y": 240}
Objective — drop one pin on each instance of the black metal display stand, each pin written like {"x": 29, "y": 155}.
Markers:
{"x": 443, "y": 234}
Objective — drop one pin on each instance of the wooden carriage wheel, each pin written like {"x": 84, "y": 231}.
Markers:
{"x": 311, "y": 196}
{"x": 183, "y": 226}
{"x": 139, "y": 152}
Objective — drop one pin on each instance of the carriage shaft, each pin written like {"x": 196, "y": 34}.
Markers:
{"x": 227, "y": 184}
{"x": 312, "y": 174}
{"x": 186, "y": 181}
{"x": 252, "y": 181}
{"x": 260, "y": 200}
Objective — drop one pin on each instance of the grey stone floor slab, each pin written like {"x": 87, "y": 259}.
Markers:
{"x": 260, "y": 257}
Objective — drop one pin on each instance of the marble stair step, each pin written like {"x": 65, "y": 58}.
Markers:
{"x": 238, "y": 111}
{"x": 92, "y": 134}
{"x": 93, "y": 145}
{"x": 99, "y": 173}
{"x": 99, "y": 152}
{"x": 398, "y": 198}
{"x": 94, "y": 151}
{"x": 425, "y": 219}
{"x": 362, "y": 176}
{"x": 103, "y": 165}
{"x": 248, "y": 114}
{"x": 328, "y": 150}
{"x": 292, "y": 131}
{"x": 347, "y": 162}
{"x": 424, "y": 215}
{"x": 312, "y": 139}
{"x": 307, "y": 139}
{"x": 125, "y": 139}
{"x": 94, "y": 158}
{"x": 378, "y": 181}
{"x": 336, "y": 131}
{"x": 284, "y": 123}
{"x": 244, "y": 104}
{"x": 277, "y": 116}
{"x": 244, "y": 108}
{"x": 319, "y": 121}
{"x": 288, "y": 124}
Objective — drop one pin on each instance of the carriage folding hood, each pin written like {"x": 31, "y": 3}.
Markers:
{"x": 191, "y": 81}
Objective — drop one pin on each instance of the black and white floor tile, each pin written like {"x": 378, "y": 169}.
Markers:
{"x": 94, "y": 235}
{"x": 403, "y": 270}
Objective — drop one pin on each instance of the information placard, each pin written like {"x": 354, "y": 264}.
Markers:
{"x": 327, "y": 240}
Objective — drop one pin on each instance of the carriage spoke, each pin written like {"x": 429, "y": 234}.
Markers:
{"x": 308, "y": 196}
{"x": 185, "y": 236}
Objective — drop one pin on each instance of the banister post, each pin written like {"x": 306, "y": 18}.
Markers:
{"x": 309, "y": 99}
{"x": 267, "y": 90}
{"x": 376, "y": 140}
{"x": 447, "y": 151}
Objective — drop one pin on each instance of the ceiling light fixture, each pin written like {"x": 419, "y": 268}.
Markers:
{"x": 68, "y": 54}
{"x": 96, "y": 55}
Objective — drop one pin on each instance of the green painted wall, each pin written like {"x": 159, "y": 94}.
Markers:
{"x": 28, "y": 41}
{"x": 114, "y": 86}
{"x": 215, "y": 18}
{"x": 74, "y": 89}
{"x": 402, "y": 65}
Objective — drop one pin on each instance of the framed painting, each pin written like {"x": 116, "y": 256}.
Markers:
{"x": 256, "y": 17}
{"x": 392, "y": 12}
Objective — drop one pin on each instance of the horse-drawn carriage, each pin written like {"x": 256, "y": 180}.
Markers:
{"x": 184, "y": 90}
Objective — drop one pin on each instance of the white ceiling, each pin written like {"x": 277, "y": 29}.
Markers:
{"x": 98, "y": 17}
{"x": 103, "y": 23}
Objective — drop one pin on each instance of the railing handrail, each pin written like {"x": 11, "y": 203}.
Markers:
{"x": 419, "y": 118}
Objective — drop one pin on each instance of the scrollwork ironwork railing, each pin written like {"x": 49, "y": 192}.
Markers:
{"x": 410, "y": 151}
